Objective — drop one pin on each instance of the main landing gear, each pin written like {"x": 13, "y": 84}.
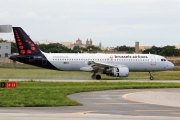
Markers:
{"x": 96, "y": 76}
{"x": 151, "y": 76}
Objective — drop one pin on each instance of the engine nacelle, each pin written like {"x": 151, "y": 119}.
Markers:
{"x": 86, "y": 69}
{"x": 121, "y": 72}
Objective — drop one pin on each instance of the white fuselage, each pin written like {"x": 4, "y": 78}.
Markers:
{"x": 135, "y": 62}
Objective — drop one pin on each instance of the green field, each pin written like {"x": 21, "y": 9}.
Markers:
{"x": 7, "y": 73}
{"x": 29, "y": 94}
{"x": 36, "y": 94}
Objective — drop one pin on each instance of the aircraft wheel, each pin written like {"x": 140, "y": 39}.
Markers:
{"x": 93, "y": 76}
{"x": 98, "y": 77}
{"x": 151, "y": 78}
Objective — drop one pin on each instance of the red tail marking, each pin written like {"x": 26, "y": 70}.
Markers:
{"x": 32, "y": 48}
{"x": 32, "y": 45}
{"x": 28, "y": 51}
{"x": 19, "y": 43}
{"x": 22, "y": 51}
{"x": 21, "y": 47}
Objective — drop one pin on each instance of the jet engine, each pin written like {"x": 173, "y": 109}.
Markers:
{"x": 120, "y": 71}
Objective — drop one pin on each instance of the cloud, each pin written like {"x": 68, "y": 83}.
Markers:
{"x": 99, "y": 19}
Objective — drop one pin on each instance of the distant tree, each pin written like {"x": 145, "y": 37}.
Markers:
{"x": 1, "y": 40}
{"x": 54, "y": 48}
{"x": 169, "y": 51}
{"x": 93, "y": 49}
{"x": 14, "y": 48}
{"x": 153, "y": 50}
{"x": 125, "y": 48}
{"x": 164, "y": 51}
{"x": 89, "y": 49}
{"x": 77, "y": 49}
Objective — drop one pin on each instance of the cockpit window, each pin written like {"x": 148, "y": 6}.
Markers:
{"x": 163, "y": 59}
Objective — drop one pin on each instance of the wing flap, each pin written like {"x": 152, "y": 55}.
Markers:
{"x": 100, "y": 65}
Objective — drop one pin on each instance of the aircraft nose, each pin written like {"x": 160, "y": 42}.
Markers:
{"x": 171, "y": 65}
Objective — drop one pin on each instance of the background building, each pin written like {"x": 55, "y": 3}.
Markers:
{"x": 88, "y": 43}
{"x": 177, "y": 46}
{"x": 5, "y": 49}
{"x": 142, "y": 48}
{"x": 67, "y": 44}
{"x": 77, "y": 43}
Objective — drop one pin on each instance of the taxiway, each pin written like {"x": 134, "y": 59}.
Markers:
{"x": 131, "y": 104}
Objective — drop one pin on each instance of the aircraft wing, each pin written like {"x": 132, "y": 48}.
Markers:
{"x": 100, "y": 65}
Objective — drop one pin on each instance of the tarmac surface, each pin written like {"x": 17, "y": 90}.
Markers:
{"x": 90, "y": 80}
{"x": 131, "y": 104}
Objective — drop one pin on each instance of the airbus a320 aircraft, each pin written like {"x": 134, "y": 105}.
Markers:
{"x": 117, "y": 65}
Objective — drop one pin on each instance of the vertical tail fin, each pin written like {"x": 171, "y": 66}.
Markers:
{"x": 24, "y": 44}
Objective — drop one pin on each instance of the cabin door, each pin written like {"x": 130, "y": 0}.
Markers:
{"x": 153, "y": 60}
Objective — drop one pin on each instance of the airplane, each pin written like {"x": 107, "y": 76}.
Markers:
{"x": 117, "y": 65}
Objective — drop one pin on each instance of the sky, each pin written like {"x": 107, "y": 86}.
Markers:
{"x": 111, "y": 22}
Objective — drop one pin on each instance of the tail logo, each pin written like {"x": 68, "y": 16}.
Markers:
{"x": 31, "y": 45}
{"x": 21, "y": 46}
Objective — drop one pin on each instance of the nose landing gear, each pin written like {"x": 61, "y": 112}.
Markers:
{"x": 151, "y": 76}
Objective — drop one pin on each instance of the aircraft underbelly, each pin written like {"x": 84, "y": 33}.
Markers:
{"x": 71, "y": 66}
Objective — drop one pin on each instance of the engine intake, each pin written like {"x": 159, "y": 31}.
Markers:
{"x": 121, "y": 72}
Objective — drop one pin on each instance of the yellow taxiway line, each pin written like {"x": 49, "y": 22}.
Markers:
{"x": 83, "y": 112}
{"x": 127, "y": 98}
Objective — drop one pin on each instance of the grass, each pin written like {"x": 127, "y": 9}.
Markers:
{"x": 36, "y": 94}
{"x": 19, "y": 66}
{"x": 6, "y": 73}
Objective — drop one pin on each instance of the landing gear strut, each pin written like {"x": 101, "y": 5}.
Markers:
{"x": 151, "y": 76}
{"x": 96, "y": 76}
